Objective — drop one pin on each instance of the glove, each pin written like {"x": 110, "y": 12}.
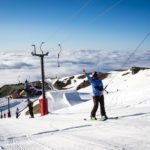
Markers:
{"x": 84, "y": 71}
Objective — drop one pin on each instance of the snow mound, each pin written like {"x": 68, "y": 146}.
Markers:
{"x": 61, "y": 99}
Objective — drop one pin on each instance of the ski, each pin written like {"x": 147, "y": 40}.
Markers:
{"x": 99, "y": 119}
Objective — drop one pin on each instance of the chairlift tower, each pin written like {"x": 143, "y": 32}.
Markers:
{"x": 43, "y": 101}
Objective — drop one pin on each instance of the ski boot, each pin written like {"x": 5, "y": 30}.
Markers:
{"x": 103, "y": 118}
{"x": 93, "y": 118}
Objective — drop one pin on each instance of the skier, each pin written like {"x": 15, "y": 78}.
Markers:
{"x": 30, "y": 106}
{"x": 98, "y": 97}
{"x": 1, "y": 115}
{"x": 4, "y": 115}
{"x": 17, "y": 112}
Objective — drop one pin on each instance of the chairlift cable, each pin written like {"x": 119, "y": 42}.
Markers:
{"x": 105, "y": 11}
{"x": 73, "y": 17}
{"x": 132, "y": 54}
{"x": 108, "y": 9}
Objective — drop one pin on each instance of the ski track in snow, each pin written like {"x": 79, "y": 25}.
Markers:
{"x": 87, "y": 133}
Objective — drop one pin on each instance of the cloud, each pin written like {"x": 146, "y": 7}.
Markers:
{"x": 16, "y": 68}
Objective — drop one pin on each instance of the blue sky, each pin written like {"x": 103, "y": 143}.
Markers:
{"x": 76, "y": 24}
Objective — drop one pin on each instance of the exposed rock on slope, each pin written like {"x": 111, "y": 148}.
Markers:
{"x": 15, "y": 89}
{"x": 60, "y": 85}
{"x": 137, "y": 69}
{"x": 77, "y": 82}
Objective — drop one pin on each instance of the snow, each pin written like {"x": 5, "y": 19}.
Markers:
{"x": 65, "y": 128}
{"x": 14, "y": 103}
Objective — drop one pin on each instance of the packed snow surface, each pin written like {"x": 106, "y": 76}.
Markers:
{"x": 66, "y": 129}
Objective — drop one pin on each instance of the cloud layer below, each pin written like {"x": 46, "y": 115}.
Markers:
{"x": 16, "y": 68}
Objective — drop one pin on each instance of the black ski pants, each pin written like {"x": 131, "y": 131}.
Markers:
{"x": 31, "y": 112}
{"x": 97, "y": 100}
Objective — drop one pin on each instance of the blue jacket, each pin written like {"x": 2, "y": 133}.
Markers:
{"x": 95, "y": 83}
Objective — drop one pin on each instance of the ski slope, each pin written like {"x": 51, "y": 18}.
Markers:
{"x": 14, "y": 104}
{"x": 65, "y": 129}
